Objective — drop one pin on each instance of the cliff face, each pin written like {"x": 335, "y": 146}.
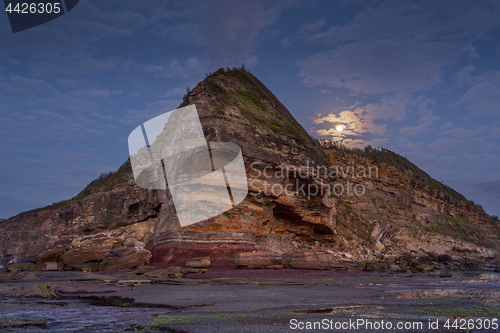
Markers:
{"x": 301, "y": 196}
{"x": 404, "y": 210}
{"x": 105, "y": 206}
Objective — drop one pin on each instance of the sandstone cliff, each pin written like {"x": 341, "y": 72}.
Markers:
{"x": 387, "y": 207}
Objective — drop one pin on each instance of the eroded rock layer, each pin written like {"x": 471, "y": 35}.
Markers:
{"x": 387, "y": 207}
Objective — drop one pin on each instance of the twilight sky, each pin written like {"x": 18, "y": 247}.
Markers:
{"x": 421, "y": 78}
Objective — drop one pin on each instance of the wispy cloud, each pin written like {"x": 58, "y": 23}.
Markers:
{"x": 376, "y": 55}
{"x": 483, "y": 97}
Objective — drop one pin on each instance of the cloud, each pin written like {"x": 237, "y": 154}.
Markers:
{"x": 233, "y": 26}
{"x": 186, "y": 33}
{"x": 91, "y": 93}
{"x": 251, "y": 61}
{"x": 34, "y": 111}
{"x": 388, "y": 64}
{"x": 285, "y": 42}
{"x": 426, "y": 120}
{"x": 355, "y": 123}
{"x": 483, "y": 98}
{"x": 311, "y": 28}
{"x": 174, "y": 92}
{"x": 389, "y": 107}
{"x": 358, "y": 143}
{"x": 136, "y": 117}
{"x": 464, "y": 74}
{"x": 406, "y": 53}
{"x": 26, "y": 87}
{"x": 228, "y": 30}
{"x": 362, "y": 121}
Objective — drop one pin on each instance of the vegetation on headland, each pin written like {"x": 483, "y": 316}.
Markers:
{"x": 419, "y": 178}
{"x": 238, "y": 88}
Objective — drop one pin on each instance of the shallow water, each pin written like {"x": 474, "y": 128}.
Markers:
{"x": 74, "y": 316}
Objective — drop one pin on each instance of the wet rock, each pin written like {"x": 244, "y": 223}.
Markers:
{"x": 29, "y": 277}
{"x": 307, "y": 260}
{"x": 198, "y": 263}
{"x": 22, "y": 323}
{"x": 253, "y": 260}
{"x": 133, "y": 282}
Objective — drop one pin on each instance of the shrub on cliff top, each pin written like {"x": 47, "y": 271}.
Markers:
{"x": 250, "y": 97}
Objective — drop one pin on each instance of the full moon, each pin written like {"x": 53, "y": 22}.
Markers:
{"x": 339, "y": 128}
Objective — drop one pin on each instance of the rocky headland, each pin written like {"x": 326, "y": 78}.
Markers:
{"x": 365, "y": 209}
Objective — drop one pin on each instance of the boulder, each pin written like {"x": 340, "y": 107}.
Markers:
{"x": 53, "y": 254}
{"x": 444, "y": 258}
{"x": 42, "y": 290}
{"x": 144, "y": 269}
{"x": 127, "y": 257}
{"x": 21, "y": 266}
{"x": 194, "y": 270}
{"x": 394, "y": 268}
{"x": 433, "y": 256}
{"x": 132, "y": 242}
{"x": 53, "y": 266}
{"x": 198, "y": 263}
{"x": 253, "y": 260}
{"x": 171, "y": 272}
{"x": 90, "y": 249}
{"x": 378, "y": 246}
{"x": 424, "y": 267}
{"x": 308, "y": 260}
{"x": 91, "y": 267}
{"x": 373, "y": 266}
